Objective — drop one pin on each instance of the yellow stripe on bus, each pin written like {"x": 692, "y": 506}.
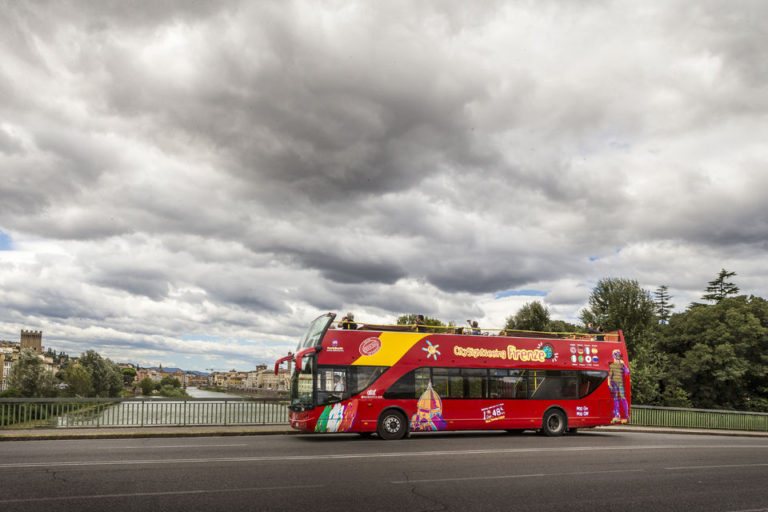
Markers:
{"x": 394, "y": 346}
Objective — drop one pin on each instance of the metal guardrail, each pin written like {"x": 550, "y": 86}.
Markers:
{"x": 140, "y": 412}
{"x": 698, "y": 418}
{"x": 146, "y": 412}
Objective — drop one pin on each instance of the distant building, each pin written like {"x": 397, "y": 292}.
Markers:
{"x": 33, "y": 340}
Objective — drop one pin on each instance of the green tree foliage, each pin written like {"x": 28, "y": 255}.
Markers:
{"x": 106, "y": 376}
{"x": 170, "y": 391}
{"x": 432, "y": 323}
{"x": 30, "y": 377}
{"x": 719, "y": 289}
{"x": 147, "y": 386}
{"x": 170, "y": 381}
{"x": 78, "y": 380}
{"x": 532, "y": 316}
{"x": 663, "y": 305}
{"x": 617, "y": 303}
{"x": 129, "y": 375}
{"x": 719, "y": 353}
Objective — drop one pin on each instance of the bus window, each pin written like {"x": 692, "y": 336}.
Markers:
{"x": 447, "y": 382}
{"x": 518, "y": 383}
{"x": 507, "y": 383}
{"x": 455, "y": 383}
{"x": 402, "y": 388}
{"x": 569, "y": 384}
{"x": 331, "y": 384}
{"x": 475, "y": 382}
{"x": 422, "y": 379}
{"x": 362, "y": 377}
{"x": 543, "y": 386}
{"x": 590, "y": 380}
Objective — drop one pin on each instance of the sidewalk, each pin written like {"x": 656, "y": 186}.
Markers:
{"x": 255, "y": 430}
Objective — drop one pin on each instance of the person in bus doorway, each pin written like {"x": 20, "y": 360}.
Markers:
{"x": 348, "y": 322}
{"x": 338, "y": 384}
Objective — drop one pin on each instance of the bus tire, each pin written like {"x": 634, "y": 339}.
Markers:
{"x": 554, "y": 423}
{"x": 392, "y": 425}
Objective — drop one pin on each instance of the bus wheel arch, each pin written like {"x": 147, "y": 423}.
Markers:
{"x": 554, "y": 422}
{"x": 392, "y": 424}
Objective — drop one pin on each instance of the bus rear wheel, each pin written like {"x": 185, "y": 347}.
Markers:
{"x": 392, "y": 425}
{"x": 554, "y": 423}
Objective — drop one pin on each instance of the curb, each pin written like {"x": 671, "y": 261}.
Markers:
{"x": 135, "y": 434}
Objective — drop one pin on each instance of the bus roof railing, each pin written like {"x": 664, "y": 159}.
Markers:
{"x": 513, "y": 333}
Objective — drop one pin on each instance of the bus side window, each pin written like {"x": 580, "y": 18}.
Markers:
{"x": 590, "y": 381}
{"x": 331, "y": 384}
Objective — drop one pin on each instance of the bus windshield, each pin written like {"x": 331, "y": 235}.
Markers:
{"x": 315, "y": 331}
{"x": 303, "y": 378}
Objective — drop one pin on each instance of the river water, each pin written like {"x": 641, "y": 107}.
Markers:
{"x": 214, "y": 409}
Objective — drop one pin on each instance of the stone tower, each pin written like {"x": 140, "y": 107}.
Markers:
{"x": 33, "y": 340}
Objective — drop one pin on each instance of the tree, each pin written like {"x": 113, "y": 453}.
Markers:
{"x": 78, "y": 380}
{"x": 717, "y": 353}
{"x": 720, "y": 288}
{"x": 617, "y": 303}
{"x": 663, "y": 304}
{"x": 432, "y": 322}
{"x": 147, "y": 385}
{"x": 106, "y": 376}
{"x": 170, "y": 381}
{"x": 532, "y": 316}
{"x": 129, "y": 375}
{"x": 30, "y": 377}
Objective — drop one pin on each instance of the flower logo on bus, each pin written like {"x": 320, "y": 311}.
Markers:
{"x": 431, "y": 350}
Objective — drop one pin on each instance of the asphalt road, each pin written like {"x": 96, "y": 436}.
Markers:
{"x": 593, "y": 471}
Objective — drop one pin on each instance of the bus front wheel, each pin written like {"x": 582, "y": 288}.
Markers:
{"x": 554, "y": 423}
{"x": 392, "y": 425}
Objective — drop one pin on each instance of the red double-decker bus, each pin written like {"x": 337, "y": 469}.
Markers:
{"x": 386, "y": 380}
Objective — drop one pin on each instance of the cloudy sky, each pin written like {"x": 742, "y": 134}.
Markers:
{"x": 190, "y": 183}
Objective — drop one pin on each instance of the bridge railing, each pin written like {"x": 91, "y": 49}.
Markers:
{"x": 146, "y": 412}
{"x": 140, "y": 412}
{"x": 698, "y": 418}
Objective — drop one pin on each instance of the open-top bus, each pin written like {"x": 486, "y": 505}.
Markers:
{"x": 387, "y": 380}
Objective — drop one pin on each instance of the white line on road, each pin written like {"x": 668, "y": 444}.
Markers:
{"x": 163, "y": 493}
{"x": 393, "y": 455}
{"x": 152, "y": 446}
{"x": 503, "y": 477}
{"x": 716, "y": 467}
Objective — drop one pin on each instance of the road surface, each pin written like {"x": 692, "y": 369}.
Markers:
{"x": 591, "y": 471}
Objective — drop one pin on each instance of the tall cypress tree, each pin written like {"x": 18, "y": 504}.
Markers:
{"x": 720, "y": 288}
{"x": 663, "y": 304}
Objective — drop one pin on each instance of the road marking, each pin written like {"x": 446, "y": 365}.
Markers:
{"x": 152, "y": 446}
{"x": 392, "y": 455}
{"x": 162, "y": 493}
{"x": 503, "y": 477}
{"x": 719, "y": 466}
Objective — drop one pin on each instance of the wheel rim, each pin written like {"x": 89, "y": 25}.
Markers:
{"x": 392, "y": 424}
{"x": 554, "y": 423}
